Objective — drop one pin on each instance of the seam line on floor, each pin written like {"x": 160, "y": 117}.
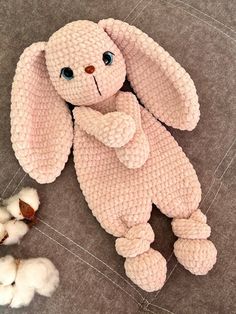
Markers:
{"x": 91, "y": 254}
{"x": 21, "y": 181}
{"x": 198, "y": 18}
{"x": 9, "y": 183}
{"x": 141, "y": 11}
{"x": 211, "y": 17}
{"x": 126, "y": 18}
{"x": 88, "y": 264}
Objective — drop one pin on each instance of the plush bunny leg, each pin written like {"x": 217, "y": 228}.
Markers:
{"x": 192, "y": 249}
{"x": 127, "y": 220}
{"x": 114, "y": 129}
{"x": 135, "y": 153}
{"x": 177, "y": 192}
{"x": 143, "y": 265}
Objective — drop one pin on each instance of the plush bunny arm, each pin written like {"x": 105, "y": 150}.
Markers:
{"x": 135, "y": 153}
{"x": 114, "y": 129}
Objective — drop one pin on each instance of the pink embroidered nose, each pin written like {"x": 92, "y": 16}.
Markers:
{"x": 89, "y": 69}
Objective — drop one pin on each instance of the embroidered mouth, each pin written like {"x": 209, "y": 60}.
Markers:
{"x": 96, "y": 83}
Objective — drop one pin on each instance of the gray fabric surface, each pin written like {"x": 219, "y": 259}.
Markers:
{"x": 201, "y": 36}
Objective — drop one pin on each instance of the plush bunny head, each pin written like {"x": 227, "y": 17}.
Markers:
{"x": 85, "y": 63}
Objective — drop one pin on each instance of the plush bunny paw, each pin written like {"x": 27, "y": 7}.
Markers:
{"x": 117, "y": 129}
{"x": 114, "y": 129}
{"x": 134, "y": 154}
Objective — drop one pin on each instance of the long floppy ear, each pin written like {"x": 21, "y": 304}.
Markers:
{"x": 41, "y": 124}
{"x": 161, "y": 84}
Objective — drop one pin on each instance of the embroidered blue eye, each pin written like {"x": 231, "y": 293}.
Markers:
{"x": 108, "y": 57}
{"x": 67, "y": 73}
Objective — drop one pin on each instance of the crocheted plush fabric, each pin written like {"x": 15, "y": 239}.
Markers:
{"x": 41, "y": 125}
{"x": 125, "y": 159}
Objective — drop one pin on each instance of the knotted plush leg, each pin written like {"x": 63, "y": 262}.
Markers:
{"x": 144, "y": 266}
{"x": 192, "y": 249}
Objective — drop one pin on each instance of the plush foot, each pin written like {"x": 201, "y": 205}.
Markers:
{"x": 192, "y": 249}
{"x": 143, "y": 265}
{"x": 147, "y": 270}
{"x": 197, "y": 256}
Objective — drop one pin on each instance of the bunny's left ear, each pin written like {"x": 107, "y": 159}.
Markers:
{"x": 161, "y": 84}
{"x": 41, "y": 125}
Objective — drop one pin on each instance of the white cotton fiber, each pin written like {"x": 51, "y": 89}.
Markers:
{"x": 30, "y": 196}
{"x": 12, "y": 206}
{"x": 6, "y": 294}
{"x": 2, "y": 231}
{"x": 38, "y": 273}
{"x": 4, "y": 215}
{"x": 16, "y": 230}
{"x": 7, "y": 270}
{"x": 23, "y": 295}
{"x": 29, "y": 276}
{"x": 27, "y": 195}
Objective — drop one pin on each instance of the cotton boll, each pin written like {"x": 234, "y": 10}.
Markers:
{"x": 4, "y": 215}
{"x": 38, "y": 273}
{"x": 6, "y": 294}
{"x": 13, "y": 207}
{"x": 30, "y": 196}
{"x": 7, "y": 270}
{"x": 30, "y": 276}
{"x": 51, "y": 278}
{"x": 23, "y": 295}
{"x": 2, "y": 232}
{"x": 16, "y": 230}
{"x": 24, "y": 204}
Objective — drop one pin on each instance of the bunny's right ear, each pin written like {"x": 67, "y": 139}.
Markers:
{"x": 161, "y": 84}
{"x": 41, "y": 124}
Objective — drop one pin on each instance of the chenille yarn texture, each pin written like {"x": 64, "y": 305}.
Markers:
{"x": 125, "y": 159}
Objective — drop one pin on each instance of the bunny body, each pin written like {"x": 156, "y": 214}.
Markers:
{"x": 125, "y": 159}
{"x": 122, "y": 197}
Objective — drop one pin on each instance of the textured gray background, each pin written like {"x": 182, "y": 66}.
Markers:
{"x": 201, "y": 35}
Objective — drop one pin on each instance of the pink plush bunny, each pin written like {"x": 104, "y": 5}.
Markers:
{"x": 125, "y": 159}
